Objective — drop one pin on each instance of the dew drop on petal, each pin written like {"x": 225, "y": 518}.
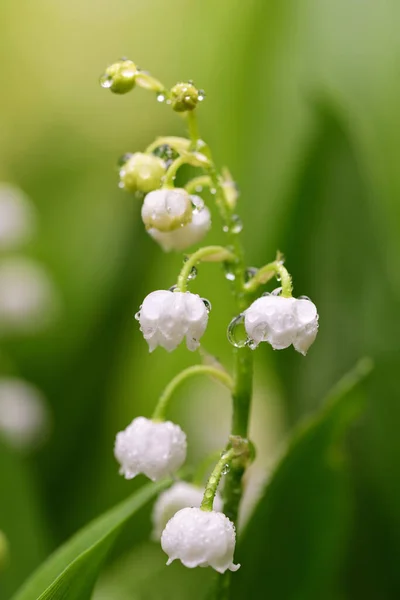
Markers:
{"x": 207, "y": 304}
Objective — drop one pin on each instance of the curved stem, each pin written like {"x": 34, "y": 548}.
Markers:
{"x": 162, "y": 405}
{"x": 176, "y": 143}
{"x": 214, "y": 479}
{"x": 209, "y": 254}
{"x": 266, "y": 273}
{"x": 203, "y": 467}
{"x": 196, "y": 182}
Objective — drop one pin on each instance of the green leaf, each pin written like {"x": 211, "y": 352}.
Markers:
{"x": 71, "y": 572}
{"x": 294, "y": 544}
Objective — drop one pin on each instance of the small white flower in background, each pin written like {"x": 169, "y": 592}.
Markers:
{"x": 179, "y": 495}
{"x": 200, "y": 538}
{"x": 27, "y": 296}
{"x": 23, "y": 413}
{"x": 17, "y": 218}
{"x": 156, "y": 449}
{"x": 166, "y": 318}
{"x": 282, "y": 322}
{"x": 185, "y": 236}
{"x": 166, "y": 209}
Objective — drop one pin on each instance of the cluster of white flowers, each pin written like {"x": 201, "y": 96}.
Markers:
{"x": 194, "y": 536}
{"x": 167, "y": 317}
{"x": 281, "y": 322}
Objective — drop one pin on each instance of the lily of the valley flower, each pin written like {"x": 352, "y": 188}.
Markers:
{"x": 281, "y": 322}
{"x": 167, "y": 209}
{"x": 200, "y": 538}
{"x": 166, "y": 318}
{"x": 185, "y": 236}
{"x": 156, "y": 449}
{"x": 178, "y": 496}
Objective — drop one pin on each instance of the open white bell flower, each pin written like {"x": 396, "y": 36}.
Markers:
{"x": 179, "y": 495}
{"x": 17, "y": 218}
{"x": 281, "y": 322}
{"x": 23, "y": 413}
{"x": 200, "y": 538}
{"x": 167, "y": 209}
{"x": 156, "y": 449}
{"x": 27, "y": 296}
{"x": 166, "y": 318}
{"x": 185, "y": 236}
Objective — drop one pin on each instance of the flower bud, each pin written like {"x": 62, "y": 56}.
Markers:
{"x": 166, "y": 209}
{"x": 119, "y": 77}
{"x": 281, "y": 322}
{"x": 184, "y": 96}
{"x": 186, "y": 236}
{"x": 179, "y": 495}
{"x": 149, "y": 447}
{"x": 166, "y": 318}
{"x": 142, "y": 173}
{"x": 200, "y": 538}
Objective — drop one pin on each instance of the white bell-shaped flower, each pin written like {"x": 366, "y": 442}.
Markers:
{"x": 156, "y": 449}
{"x": 166, "y": 318}
{"x": 17, "y": 218}
{"x": 185, "y": 236}
{"x": 23, "y": 413}
{"x": 200, "y": 538}
{"x": 281, "y": 322}
{"x": 167, "y": 209}
{"x": 179, "y": 495}
{"x": 27, "y": 296}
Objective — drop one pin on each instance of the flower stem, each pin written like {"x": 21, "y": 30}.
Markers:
{"x": 266, "y": 273}
{"x": 162, "y": 405}
{"x": 214, "y": 479}
{"x": 208, "y": 254}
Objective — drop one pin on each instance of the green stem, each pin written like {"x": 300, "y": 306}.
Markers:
{"x": 266, "y": 273}
{"x": 196, "y": 182}
{"x": 214, "y": 479}
{"x": 162, "y": 405}
{"x": 178, "y": 144}
{"x": 193, "y": 127}
{"x": 208, "y": 253}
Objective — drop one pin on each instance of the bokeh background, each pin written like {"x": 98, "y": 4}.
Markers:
{"x": 303, "y": 106}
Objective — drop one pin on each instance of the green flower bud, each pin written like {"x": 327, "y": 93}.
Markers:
{"x": 184, "y": 96}
{"x": 142, "y": 173}
{"x": 119, "y": 77}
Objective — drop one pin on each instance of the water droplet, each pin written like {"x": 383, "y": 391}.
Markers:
{"x": 236, "y": 225}
{"x": 278, "y": 277}
{"x": 225, "y": 469}
{"x": 252, "y": 344}
{"x": 106, "y": 81}
{"x": 236, "y": 332}
{"x": 197, "y": 202}
{"x": 213, "y": 191}
{"x": 276, "y": 291}
{"x": 124, "y": 58}
{"x": 250, "y": 272}
{"x": 193, "y": 274}
{"x": 225, "y": 229}
{"x": 137, "y": 315}
{"x": 199, "y": 189}
{"x": 229, "y": 274}
{"x": 121, "y": 185}
{"x": 304, "y": 298}
{"x": 160, "y": 97}
{"x": 207, "y": 304}
{"x": 124, "y": 158}
{"x": 172, "y": 288}
{"x": 201, "y": 95}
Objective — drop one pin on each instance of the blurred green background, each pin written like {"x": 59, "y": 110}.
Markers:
{"x": 303, "y": 106}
